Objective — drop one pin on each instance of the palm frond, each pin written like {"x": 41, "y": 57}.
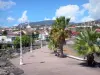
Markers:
{"x": 86, "y": 43}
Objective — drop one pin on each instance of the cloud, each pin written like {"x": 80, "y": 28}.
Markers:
{"x": 88, "y": 12}
{"x": 24, "y": 17}
{"x": 87, "y": 18}
{"x": 10, "y": 19}
{"x": 6, "y": 4}
{"x": 49, "y": 18}
{"x": 86, "y": 6}
{"x": 54, "y": 18}
{"x": 69, "y": 11}
{"x": 15, "y": 25}
{"x": 46, "y": 18}
{"x": 93, "y": 8}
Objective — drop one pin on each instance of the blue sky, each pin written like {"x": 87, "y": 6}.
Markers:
{"x": 12, "y": 12}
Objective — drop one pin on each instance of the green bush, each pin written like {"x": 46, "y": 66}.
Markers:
{"x": 25, "y": 41}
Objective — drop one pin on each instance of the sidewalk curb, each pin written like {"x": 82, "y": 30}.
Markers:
{"x": 77, "y": 58}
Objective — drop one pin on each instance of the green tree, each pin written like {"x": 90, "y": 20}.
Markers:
{"x": 87, "y": 44}
{"x": 17, "y": 42}
{"x": 35, "y": 35}
{"x": 25, "y": 41}
{"x": 58, "y": 34}
{"x": 4, "y": 33}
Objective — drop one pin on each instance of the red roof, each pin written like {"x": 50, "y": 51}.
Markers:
{"x": 73, "y": 26}
{"x": 98, "y": 30}
{"x": 75, "y": 33}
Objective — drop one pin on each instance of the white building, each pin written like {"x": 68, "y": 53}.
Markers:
{"x": 43, "y": 35}
{"x": 6, "y": 39}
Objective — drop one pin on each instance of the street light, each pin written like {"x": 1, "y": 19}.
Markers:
{"x": 40, "y": 37}
{"x": 29, "y": 29}
{"x": 21, "y": 54}
{"x": 41, "y": 40}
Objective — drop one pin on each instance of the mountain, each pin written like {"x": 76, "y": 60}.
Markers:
{"x": 46, "y": 22}
{"x": 39, "y": 23}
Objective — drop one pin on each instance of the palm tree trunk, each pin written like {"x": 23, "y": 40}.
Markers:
{"x": 90, "y": 60}
{"x": 55, "y": 52}
{"x": 61, "y": 50}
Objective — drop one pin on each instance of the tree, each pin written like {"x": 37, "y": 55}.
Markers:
{"x": 58, "y": 33}
{"x": 35, "y": 35}
{"x": 87, "y": 44}
{"x": 4, "y": 33}
{"x": 52, "y": 45}
{"x": 17, "y": 42}
{"x": 25, "y": 41}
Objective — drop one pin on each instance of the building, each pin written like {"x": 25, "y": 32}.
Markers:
{"x": 43, "y": 34}
{"x": 7, "y": 39}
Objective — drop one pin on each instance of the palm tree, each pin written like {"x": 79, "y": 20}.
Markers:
{"x": 52, "y": 40}
{"x": 58, "y": 33}
{"x": 87, "y": 44}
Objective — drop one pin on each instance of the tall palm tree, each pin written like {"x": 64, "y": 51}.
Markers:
{"x": 87, "y": 44}
{"x": 52, "y": 40}
{"x": 58, "y": 33}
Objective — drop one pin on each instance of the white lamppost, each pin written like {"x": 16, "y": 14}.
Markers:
{"x": 21, "y": 53}
{"x": 41, "y": 43}
{"x": 84, "y": 26}
{"x": 30, "y": 33}
{"x": 41, "y": 40}
{"x": 40, "y": 37}
{"x": 91, "y": 28}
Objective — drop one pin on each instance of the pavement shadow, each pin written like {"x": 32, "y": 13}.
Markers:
{"x": 97, "y": 65}
{"x": 33, "y": 62}
{"x": 27, "y": 63}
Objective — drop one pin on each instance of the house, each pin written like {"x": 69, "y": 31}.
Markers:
{"x": 43, "y": 34}
{"x": 7, "y": 39}
{"x": 0, "y": 32}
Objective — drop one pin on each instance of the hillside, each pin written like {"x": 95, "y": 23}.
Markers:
{"x": 50, "y": 22}
{"x": 46, "y": 22}
{"x": 39, "y": 23}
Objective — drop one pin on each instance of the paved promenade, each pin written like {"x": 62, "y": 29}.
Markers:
{"x": 42, "y": 62}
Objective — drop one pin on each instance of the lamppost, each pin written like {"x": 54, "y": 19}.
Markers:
{"x": 84, "y": 26}
{"x": 41, "y": 40}
{"x": 21, "y": 54}
{"x": 40, "y": 37}
{"x": 91, "y": 28}
{"x": 29, "y": 29}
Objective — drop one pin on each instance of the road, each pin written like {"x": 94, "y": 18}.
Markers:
{"x": 42, "y": 62}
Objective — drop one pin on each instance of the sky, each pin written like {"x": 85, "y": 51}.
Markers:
{"x": 13, "y": 12}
